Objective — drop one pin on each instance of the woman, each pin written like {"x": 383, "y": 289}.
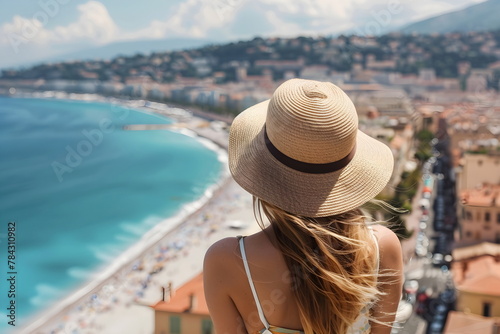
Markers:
{"x": 317, "y": 267}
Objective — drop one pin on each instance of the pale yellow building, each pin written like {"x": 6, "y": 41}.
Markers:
{"x": 478, "y": 169}
{"x": 185, "y": 312}
{"x": 479, "y": 214}
{"x": 466, "y": 323}
{"x": 477, "y": 281}
{"x": 393, "y": 102}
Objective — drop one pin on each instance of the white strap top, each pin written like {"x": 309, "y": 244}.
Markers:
{"x": 252, "y": 287}
{"x": 359, "y": 326}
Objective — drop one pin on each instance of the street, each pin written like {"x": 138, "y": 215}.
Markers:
{"x": 427, "y": 252}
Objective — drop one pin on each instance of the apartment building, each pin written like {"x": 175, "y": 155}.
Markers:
{"x": 479, "y": 212}
{"x": 476, "y": 274}
{"x": 184, "y": 311}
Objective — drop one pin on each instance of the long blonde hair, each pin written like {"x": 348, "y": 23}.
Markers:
{"x": 332, "y": 264}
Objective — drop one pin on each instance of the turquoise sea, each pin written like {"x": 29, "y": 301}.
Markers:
{"x": 81, "y": 191}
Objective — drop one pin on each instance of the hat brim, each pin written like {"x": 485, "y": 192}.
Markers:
{"x": 311, "y": 195}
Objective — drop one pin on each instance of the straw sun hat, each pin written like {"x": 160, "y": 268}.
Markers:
{"x": 302, "y": 151}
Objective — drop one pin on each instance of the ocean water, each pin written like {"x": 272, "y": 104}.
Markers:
{"x": 81, "y": 191}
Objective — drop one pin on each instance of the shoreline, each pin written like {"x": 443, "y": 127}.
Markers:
{"x": 118, "y": 265}
{"x": 146, "y": 245}
{"x": 85, "y": 292}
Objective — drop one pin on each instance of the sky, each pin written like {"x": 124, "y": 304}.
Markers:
{"x": 35, "y": 30}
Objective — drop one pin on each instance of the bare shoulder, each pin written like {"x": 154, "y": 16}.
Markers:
{"x": 223, "y": 246}
{"x": 390, "y": 247}
{"x": 221, "y": 256}
{"x": 386, "y": 237}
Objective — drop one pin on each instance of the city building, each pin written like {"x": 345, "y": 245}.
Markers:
{"x": 315, "y": 72}
{"x": 478, "y": 169}
{"x": 389, "y": 102}
{"x": 426, "y": 75}
{"x": 466, "y": 323}
{"x": 477, "y": 83}
{"x": 479, "y": 212}
{"x": 475, "y": 251}
{"x": 476, "y": 275}
{"x": 281, "y": 65}
{"x": 479, "y": 134}
{"x": 185, "y": 312}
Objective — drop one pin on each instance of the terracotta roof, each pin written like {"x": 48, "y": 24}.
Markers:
{"x": 487, "y": 285}
{"x": 487, "y": 195}
{"x": 462, "y": 323}
{"x": 180, "y": 302}
{"x": 485, "y": 248}
{"x": 480, "y": 275}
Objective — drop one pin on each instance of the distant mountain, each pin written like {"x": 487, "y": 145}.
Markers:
{"x": 131, "y": 48}
{"x": 481, "y": 17}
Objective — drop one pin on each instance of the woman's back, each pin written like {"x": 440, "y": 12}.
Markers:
{"x": 271, "y": 278}
{"x": 309, "y": 168}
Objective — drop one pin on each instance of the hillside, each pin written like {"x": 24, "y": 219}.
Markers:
{"x": 127, "y": 48}
{"x": 480, "y": 17}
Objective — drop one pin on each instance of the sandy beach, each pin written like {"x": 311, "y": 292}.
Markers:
{"x": 120, "y": 304}
{"x": 118, "y": 299}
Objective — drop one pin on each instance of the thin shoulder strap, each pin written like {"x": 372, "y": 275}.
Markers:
{"x": 376, "y": 246}
{"x": 250, "y": 281}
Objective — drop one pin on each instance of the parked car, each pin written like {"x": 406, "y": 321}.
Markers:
{"x": 448, "y": 296}
{"x": 421, "y": 250}
{"x": 436, "y": 326}
{"x": 438, "y": 259}
{"x": 443, "y": 242}
{"x": 422, "y": 226}
{"x": 440, "y": 313}
{"x": 410, "y": 288}
{"x": 437, "y": 168}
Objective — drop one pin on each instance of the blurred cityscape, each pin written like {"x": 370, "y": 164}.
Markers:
{"x": 228, "y": 78}
{"x": 432, "y": 98}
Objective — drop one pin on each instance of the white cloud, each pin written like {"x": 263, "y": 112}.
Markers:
{"x": 201, "y": 18}
{"x": 312, "y": 8}
{"x": 281, "y": 27}
{"x": 94, "y": 24}
{"x": 213, "y": 19}
{"x": 192, "y": 18}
